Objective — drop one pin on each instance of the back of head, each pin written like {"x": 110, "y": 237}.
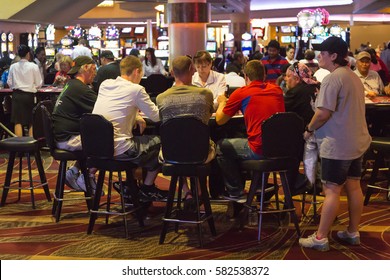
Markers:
{"x": 83, "y": 42}
{"x": 181, "y": 65}
{"x": 23, "y": 50}
{"x": 129, "y": 64}
{"x": 309, "y": 54}
{"x": 254, "y": 70}
{"x": 202, "y": 57}
{"x": 134, "y": 52}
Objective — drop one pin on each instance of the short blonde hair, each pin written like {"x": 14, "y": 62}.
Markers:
{"x": 129, "y": 64}
{"x": 66, "y": 59}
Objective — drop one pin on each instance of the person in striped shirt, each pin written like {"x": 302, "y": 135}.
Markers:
{"x": 273, "y": 62}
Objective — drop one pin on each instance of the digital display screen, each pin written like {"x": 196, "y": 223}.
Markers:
{"x": 211, "y": 46}
{"x": 95, "y": 44}
{"x": 50, "y": 52}
{"x": 229, "y": 44}
{"x": 139, "y": 30}
{"x": 285, "y": 29}
{"x": 285, "y": 39}
{"x": 246, "y": 44}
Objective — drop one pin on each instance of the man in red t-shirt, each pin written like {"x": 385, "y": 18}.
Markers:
{"x": 257, "y": 101}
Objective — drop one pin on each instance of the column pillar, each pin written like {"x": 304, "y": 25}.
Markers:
{"x": 187, "y": 21}
{"x": 240, "y": 22}
{"x": 149, "y": 33}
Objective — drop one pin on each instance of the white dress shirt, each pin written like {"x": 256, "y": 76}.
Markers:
{"x": 24, "y": 75}
{"x": 234, "y": 80}
{"x": 216, "y": 82}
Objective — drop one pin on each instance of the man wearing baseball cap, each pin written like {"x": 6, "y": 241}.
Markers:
{"x": 75, "y": 99}
{"x": 339, "y": 124}
{"x": 371, "y": 80}
{"x": 109, "y": 69}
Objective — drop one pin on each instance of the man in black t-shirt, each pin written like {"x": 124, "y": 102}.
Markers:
{"x": 76, "y": 99}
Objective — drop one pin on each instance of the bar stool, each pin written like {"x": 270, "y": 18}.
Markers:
{"x": 63, "y": 157}
{"x": 23, "y": 146}
{"x": 185, "y": 146}
{"x": 281, "y": 135}
{"x": 100, "y": 155}
{"x": 381, "y": 149}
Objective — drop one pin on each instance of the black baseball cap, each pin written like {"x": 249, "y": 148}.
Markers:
{"x": 333, "y": 45}
{"x": 78, "y": 62}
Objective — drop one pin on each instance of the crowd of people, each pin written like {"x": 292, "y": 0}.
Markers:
{"x": 332, "y": 107}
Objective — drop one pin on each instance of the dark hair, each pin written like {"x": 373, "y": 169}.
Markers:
{"x": 153, "y": 59}
{"x": 23, "y": 50}
{"x": 309, "y": 54}
{"x": 254, "y": 70}
{"x": 273, "y": 44}
{"x": 38, "y": 50}
{"x": 372, "y": 52}
{"x": 290, "y": 47}
{"x": 202, "y": 56}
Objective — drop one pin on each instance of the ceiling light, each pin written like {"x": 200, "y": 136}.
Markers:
{"x": 106, "y": 4}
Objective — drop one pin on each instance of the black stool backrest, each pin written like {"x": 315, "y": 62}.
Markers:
{"x": 185, "y": 140}
{"x": 282, "y": 135}
{"x": 38, "y": 129}
{"x": 47, "y": 126}
{"x": 156, "y": 84}
{"x": 97, "y": 136}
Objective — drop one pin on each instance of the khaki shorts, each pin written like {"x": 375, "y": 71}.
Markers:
{"x": 73, "y": 144}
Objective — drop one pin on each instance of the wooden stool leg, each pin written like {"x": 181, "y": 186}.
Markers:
{"x": 374, "y": 175}
{"x": 169, "y": 206}
{"x": 42, "y": 175}
{"x": 289, "y": 202}
{"x": 96, "y": 201}
{"x": 206, "y": 202}
{"x": 60, "y": 190}
{"x": 30, "y": 180}
{"x": 8, "y": 177}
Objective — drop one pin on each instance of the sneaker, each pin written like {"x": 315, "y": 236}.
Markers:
{"x": 312, "y": 242}
{"x": 351, "y": 238}
{"x": 154, "y": 193}
{"x": 71, "y": 180}
{"x": 241, "y": 198}
{"x": 92, "y": 183}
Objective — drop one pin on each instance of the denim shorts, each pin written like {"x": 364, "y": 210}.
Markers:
{"x": 338, "y": 171}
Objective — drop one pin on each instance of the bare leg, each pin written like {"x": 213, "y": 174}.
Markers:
{"x": 18, "y": 129}
{"x": 330, "y": 209}
{"x": 355, "y": 203}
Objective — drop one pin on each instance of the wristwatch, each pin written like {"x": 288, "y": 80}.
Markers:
{"x": 307, "y": 129}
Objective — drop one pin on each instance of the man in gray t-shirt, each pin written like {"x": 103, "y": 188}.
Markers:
{"x": 340, "y": 126}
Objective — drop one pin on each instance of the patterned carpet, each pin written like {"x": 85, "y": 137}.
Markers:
{"x": 33, "y": 234}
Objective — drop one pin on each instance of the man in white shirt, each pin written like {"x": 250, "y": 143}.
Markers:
{"x": 81, "y": 49}
{"x": 24, "y": 78}
{"x": 119, "y": 101}
{"x": 371, "y": 80}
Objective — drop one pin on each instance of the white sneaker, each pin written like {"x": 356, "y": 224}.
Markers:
{"x": 351, "y": 238}
{"x": 312, "y": 242}
{"x": 71, "y": 179}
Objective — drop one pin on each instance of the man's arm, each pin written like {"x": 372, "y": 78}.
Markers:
{"x": 220, "y": 117}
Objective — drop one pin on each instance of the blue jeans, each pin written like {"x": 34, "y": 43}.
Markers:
{"x": 229, "y": 154}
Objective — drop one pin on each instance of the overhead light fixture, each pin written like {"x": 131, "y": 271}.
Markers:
{"x": 106, "y": 3}
{"x": 159, "y": 8}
